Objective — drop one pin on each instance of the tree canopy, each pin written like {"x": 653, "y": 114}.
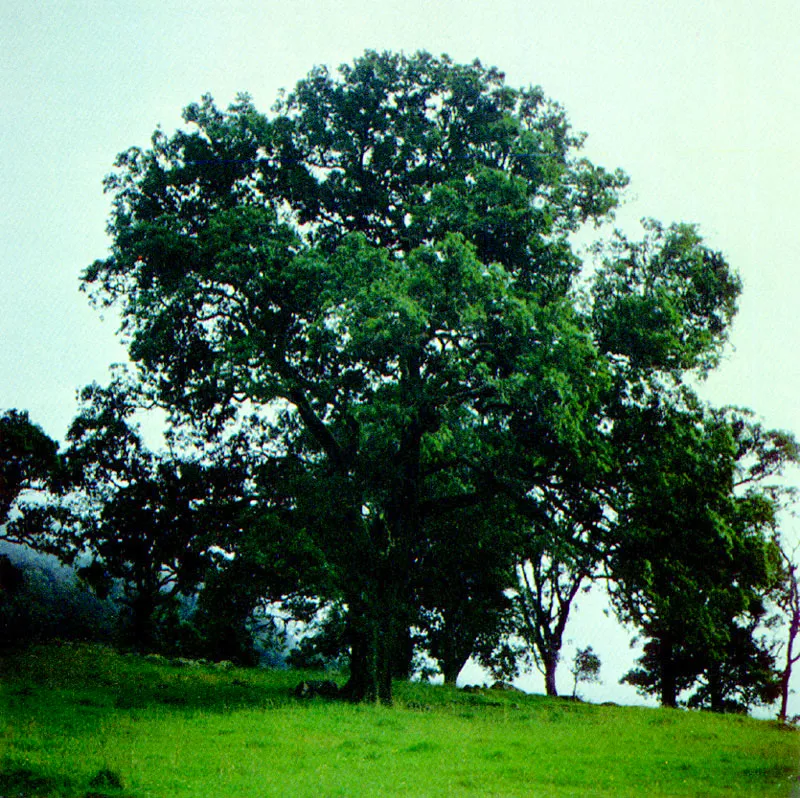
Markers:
{"x": 28, "y": 457}
{"x": 381, "y": 270}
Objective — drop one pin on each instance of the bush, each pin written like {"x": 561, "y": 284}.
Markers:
{"x": 42, "y": 601}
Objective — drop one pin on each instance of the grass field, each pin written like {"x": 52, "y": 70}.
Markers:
{"x": 84, "y": 721}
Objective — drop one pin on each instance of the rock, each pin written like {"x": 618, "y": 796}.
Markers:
{"x": 509, "y": 688}
{"x": 184, "y": 662}
{"x": 317, "y": 687}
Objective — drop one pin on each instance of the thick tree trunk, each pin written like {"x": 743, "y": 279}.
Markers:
{"x": 141, "y": 631}
{"x": 450, "y": 672}
{"x": 378, "y": 615}
{"x": 452, "y": 664}
{"x": 364, "y": 676}
{"x": 373, "y": 635}
{"x": 669, "y": 684}
{"x": 403, "y": 661}
{"x": 715, "y": 688}
{"x": 451, "y": 655}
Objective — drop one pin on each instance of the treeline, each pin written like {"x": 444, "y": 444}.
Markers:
{"x": 404, "y": 407}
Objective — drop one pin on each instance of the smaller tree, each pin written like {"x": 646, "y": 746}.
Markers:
{"x": 788, "y": 601}
{"x": 696, "y": 556}
{"x": 28, "y": 458}
{"x": 461, "y": 588}
{"x": 557, "y": 561}
{"x": 145, "y": 523}
{"x": 744, "y": 675}
{"x": 585, "y": 668}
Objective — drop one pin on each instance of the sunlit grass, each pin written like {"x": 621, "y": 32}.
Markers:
{"x": 83, "y": 720}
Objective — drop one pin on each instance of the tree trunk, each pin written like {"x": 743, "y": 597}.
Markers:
{"x": 403, "y": 661}
{"x": 786, "y": 674}
{"x": 362, "y": 633}
{"x": 783, "y": 712}
{"x": 791, "y": 657}
{"x": 373, "y": 635}
{"x": 451, "y": 655}
{"x": 715, "y": 688}
{"x": 669, "y": 685}
{"x": 452, "y": 664}
{"x": 141, "y": 631}
{"x": 378, "y": 616}
{"x": 550, "y": 665}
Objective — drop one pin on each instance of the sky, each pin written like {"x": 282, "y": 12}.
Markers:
{"x": 699, "y": 102}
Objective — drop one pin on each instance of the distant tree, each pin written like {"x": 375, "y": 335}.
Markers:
{"x": 554, "y": 563}
{"x": 145, "y": 522}
{"x": 585, "y": 668}
{"x": 28, "y": 459}
{"x": 742, "y": 676}
{"x": 788, "y": 601}
{"x": 659, "y": 309}
{"x": 40, "y": 601}
{"x": 461, "y": 589}
{"x": 543, "y": 600}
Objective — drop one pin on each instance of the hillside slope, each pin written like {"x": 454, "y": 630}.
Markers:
{"x": 86, "y": 721}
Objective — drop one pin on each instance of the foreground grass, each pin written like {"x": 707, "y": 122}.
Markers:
{"x": 84, "y": 721}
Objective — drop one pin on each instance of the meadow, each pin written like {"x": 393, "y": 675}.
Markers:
{"x": 78, "y": 720}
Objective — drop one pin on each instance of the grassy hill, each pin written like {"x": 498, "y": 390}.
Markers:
{"x": 85, "y": 721}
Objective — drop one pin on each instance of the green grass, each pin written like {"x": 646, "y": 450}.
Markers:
{"x": 84, "y": 721}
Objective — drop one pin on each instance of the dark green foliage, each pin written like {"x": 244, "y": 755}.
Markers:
{"x": 139, "y": 522}
{"x": 30, "y": 468}
{"x": 695, "y": 558}
{"x": 379, "y": 277}
{"x": 324, "y": 644}
{"x": 27, "y": 457}
{"x": 41, "y": 601}
{"x": 740, "y": 674}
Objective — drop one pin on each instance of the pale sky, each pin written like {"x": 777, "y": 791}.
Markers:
{"x": 699, "y": 102}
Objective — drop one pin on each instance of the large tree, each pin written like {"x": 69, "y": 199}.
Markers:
{"x": 383, "y": 267}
